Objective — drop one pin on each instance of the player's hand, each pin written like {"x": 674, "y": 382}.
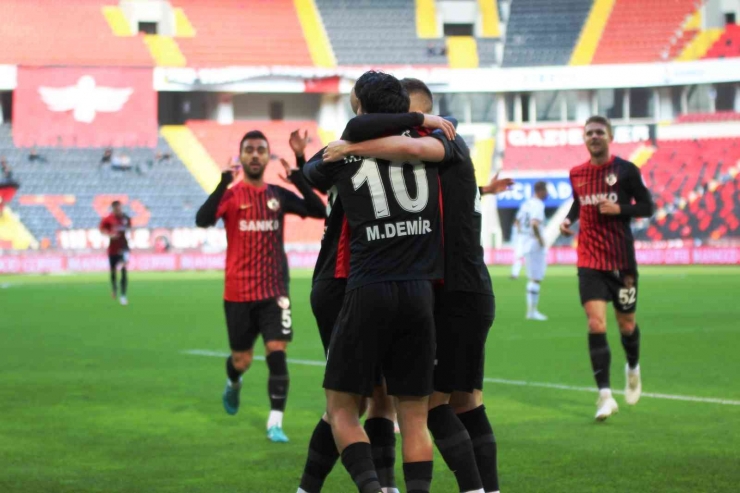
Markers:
{"x": 335, "y": 151}
{"x": 609, "y": 208}
{"x": 288, "y": 171}
{"x": 565, "y": 228}
{"x": 434, "y": 122}
{"x": 496, "y": 186}
{"x": 231, "y": 167}
{"x": 298, "y": 143}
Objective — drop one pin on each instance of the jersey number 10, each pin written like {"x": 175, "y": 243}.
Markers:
{"x": 369, "y": 173}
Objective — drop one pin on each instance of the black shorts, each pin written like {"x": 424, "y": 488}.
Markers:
{"x": 114, "y": 260}
{"x": 462, "y": 321}
{"x": 247, "y": 320}
{"x": 384, "y": 328}
{"x": 327, "y": 296}
{"x": 619, "y": 287}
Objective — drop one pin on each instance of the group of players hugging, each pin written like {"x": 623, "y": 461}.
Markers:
{"x": 401, "y": 294}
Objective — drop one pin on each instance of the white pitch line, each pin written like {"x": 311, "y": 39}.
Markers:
{"x": 502, "y": 381}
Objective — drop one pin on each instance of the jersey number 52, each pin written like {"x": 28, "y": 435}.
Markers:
{"x": 369, "y": 173}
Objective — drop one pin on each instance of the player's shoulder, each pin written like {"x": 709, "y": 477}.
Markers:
{"x": 624, "y": 164}
{"x": 578, "y": 169}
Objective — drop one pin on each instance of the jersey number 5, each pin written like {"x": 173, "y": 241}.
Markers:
{"x": 369, "y": 173}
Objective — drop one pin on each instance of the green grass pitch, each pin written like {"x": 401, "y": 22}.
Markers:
{"x": 95, "y": 397}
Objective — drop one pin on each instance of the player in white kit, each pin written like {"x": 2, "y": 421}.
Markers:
{"x": 517, "y": 241}
{"x": 532, "y": 224}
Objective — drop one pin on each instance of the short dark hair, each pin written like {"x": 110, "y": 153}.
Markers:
{"x": 540, "y": 186}
{"x": 115, "y": 203}
{"x": 602, "y": 120}
{"x": 415, "y": 86}
{"x": 379, "y": 92}
{"x": 253, "y": 134}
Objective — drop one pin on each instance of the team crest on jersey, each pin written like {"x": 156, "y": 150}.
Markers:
{"x": 611, "y": 179}
{"x": 273, "y": 204}
{"x": 283, "y": 302}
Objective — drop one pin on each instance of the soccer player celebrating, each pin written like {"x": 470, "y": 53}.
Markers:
{"x": 464, "y": 310}
{"x": 327, "y": 294}
{"x": 256, "y": 286}
{"x": 115, "y": 225}
{"x": 386, "y": 323}
{"x": 531, "y": 220}
{"x": 604, "y": 189}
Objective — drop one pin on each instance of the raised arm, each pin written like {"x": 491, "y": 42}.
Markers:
{"x": 316, "y": 174}
{"x": 308, "y": 206}
{"x": 397, "y": 148}
{"x": 376, "y": 125}
{"x": 208, "y": 212}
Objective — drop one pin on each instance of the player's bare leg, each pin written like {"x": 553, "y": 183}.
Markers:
{"x": 600, "y": 357}
{"x": 343, "y": 410}
{"x": 277, "y": 388}
{"x": 417, "y": 445}
{"x": 631, "y": 343}
{"x": 471, "y": 412}
{"x": 379, "y": 427}
{"x": 454, "y": 442}
{"x": 236, "y": 364}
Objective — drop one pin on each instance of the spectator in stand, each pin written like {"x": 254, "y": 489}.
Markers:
{"x": 121, "y": 162}
{"x": 34, "y": 155}
{"x": 7, "y": 173}
{"x": 107, "y": 157}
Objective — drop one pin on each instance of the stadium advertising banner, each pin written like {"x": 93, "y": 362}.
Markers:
{"x": 572, "y": 135}
{"x": 45, "y": 263}
{"x": 558, "y": 191}
{"x": 85, "y": 107}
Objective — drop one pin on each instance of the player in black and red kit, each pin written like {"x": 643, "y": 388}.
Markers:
{"x": 607, "y": 193}
{"x": 327, "y": 295}
{"x": 256, "y": 299}
{"x": 464, "y": 307}
{"x": 386, "y": 323}
{"x": 115, "y": 225}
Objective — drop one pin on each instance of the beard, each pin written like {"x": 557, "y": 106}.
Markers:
{"x": 600, "y": 152}
{"x": 254, "y": 175}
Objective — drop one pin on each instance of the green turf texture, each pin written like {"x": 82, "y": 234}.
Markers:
{"x": 96, "y": 397}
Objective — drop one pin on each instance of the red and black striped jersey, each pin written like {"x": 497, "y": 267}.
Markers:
{"x": 117, "y": 226}
{"x": 605, "y": 242}
{"x": 256, "y": 264}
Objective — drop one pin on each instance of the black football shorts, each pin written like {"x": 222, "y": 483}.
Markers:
{"x": 247, "y": 320}
{"x": 619, "y": 287}
{"x": 387, "y": 329}
{"x": 462, "y": 321}
{"x": 116, "y": 259}
{"x": 327, "y": 296}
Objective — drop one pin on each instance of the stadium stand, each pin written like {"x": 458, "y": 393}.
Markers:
{"x": 720, "y": 116}
{"x": 555, "y": 158}
{"x": 543, "y": 32}
{"x": 353, "y": 27}
{"x": 728, "y": 45}
{"x": 642, "y": 30}
{"x": 73, "y": 178}
{"x": 681, "y": 166}
{"x": 54, "y": 37}
{"x": 235, "y": 32}
{"x": 222, "y": 143}
{"x": 711, "y": 215}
